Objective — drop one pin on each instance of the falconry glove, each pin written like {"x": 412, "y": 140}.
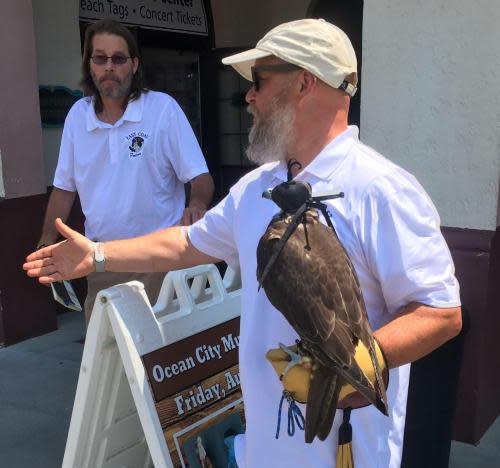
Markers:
{"x": 297, "y": 379}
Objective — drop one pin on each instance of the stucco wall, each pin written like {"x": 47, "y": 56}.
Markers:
{"x": 431, "y": 99}
{"x": 21, "y": 168}
{"x": 57, "y": 36}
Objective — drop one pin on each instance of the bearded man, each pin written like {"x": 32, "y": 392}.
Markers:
{"x": 303, "y": 74}
{"x": 127, "y": 152}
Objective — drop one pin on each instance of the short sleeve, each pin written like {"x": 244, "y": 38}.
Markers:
{"x": 405, "y": 249}
{"x": 64, "y": 177}
{"x": 180, "y": 145}
{"x": 213, "y": 234}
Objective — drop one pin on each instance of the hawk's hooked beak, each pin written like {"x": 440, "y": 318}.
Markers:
{"x": 267, "y": 194}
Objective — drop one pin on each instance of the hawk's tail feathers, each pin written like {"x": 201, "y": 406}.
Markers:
{"x": 321, "y": 404}
{"x": 327, "y": 421}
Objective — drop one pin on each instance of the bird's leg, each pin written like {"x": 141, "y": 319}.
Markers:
{"x": 296, "y": 358}
{"x": 307, "y": 360}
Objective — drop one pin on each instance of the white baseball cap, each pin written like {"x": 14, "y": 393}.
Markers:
{"x": 312, "y": 44}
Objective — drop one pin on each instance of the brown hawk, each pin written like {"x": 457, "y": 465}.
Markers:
{"x": 308, "y": 276}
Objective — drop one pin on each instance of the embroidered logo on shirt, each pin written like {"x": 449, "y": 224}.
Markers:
{"x": 137, "y": 141}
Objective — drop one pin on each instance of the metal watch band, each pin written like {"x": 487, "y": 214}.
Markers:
{"x": 99, "y": 259}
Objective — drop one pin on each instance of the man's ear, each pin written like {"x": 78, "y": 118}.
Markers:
{"x": 135, "y": 63}
{"x": 308, "y": 83}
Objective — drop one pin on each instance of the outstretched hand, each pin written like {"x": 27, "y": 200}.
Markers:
{"x": 71, "y": 258}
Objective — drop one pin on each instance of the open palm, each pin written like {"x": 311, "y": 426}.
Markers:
{"x": 68, "y": 259}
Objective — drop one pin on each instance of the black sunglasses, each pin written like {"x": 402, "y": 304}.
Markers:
{"x": 278, "y": 67}
{"x": 116, "y": 59}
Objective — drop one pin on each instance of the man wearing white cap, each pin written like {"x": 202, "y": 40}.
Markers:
{"x": 303, "y": 74}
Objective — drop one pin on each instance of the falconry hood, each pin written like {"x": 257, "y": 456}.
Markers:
{"x": 289, "y": 196}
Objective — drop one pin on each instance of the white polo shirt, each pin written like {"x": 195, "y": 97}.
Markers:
{"x": 390, "y": 229}
{"x": 129, "y": 175}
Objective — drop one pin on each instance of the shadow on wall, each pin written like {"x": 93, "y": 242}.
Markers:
{"x": 453, "y": 392}
{"x": 27, "y": 308}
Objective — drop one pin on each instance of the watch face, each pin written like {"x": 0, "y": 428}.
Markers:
{"x": 99, "y": 260}
{"x": 98, "y": 252}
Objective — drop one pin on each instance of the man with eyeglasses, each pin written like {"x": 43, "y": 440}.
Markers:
{"x": 127, "y": 152}
{"x": 304, "y": 73}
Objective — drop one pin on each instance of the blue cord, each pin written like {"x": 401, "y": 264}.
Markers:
{"x": 294, "y": 415}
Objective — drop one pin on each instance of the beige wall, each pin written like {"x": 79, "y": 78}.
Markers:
{"x": 430, "y": 99}
{"x": 21, "y": 172}
{"x": 243, "y": 23}
{"x": 57, "y": 33}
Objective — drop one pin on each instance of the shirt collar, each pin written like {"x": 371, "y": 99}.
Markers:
{"x": 133, "y": 113}
{"x": 327, "y": 160}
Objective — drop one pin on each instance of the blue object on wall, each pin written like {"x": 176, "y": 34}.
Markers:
{"x": 55, "y": 103}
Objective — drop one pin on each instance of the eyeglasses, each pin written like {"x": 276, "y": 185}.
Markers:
{"x": 116, "y": 59}
{"x": 278, "y": 67}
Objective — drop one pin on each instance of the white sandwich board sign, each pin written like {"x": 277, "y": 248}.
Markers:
{"x": 158, "y": 385}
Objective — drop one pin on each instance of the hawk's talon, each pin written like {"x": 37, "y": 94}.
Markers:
{"x": 295, "y": 359}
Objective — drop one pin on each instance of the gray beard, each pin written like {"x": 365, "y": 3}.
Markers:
{"x": 118, "y": 92}
{"x": 270, "y": 135}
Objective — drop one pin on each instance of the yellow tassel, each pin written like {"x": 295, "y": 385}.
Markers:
{"x": 344, "y": 456}
{"x": 344, "y": 448}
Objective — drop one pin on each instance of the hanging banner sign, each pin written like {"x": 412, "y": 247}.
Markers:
{"x": 184, "y": 16}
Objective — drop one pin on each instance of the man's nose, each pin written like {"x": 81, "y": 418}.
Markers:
{"x": 250, "y": 95}
{"x": 109, "y": 64}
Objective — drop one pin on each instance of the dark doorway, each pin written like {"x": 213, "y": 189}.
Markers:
{"x": 348, "y": 16}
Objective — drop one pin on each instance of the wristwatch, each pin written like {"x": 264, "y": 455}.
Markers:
{"x": 99, "y": 260}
